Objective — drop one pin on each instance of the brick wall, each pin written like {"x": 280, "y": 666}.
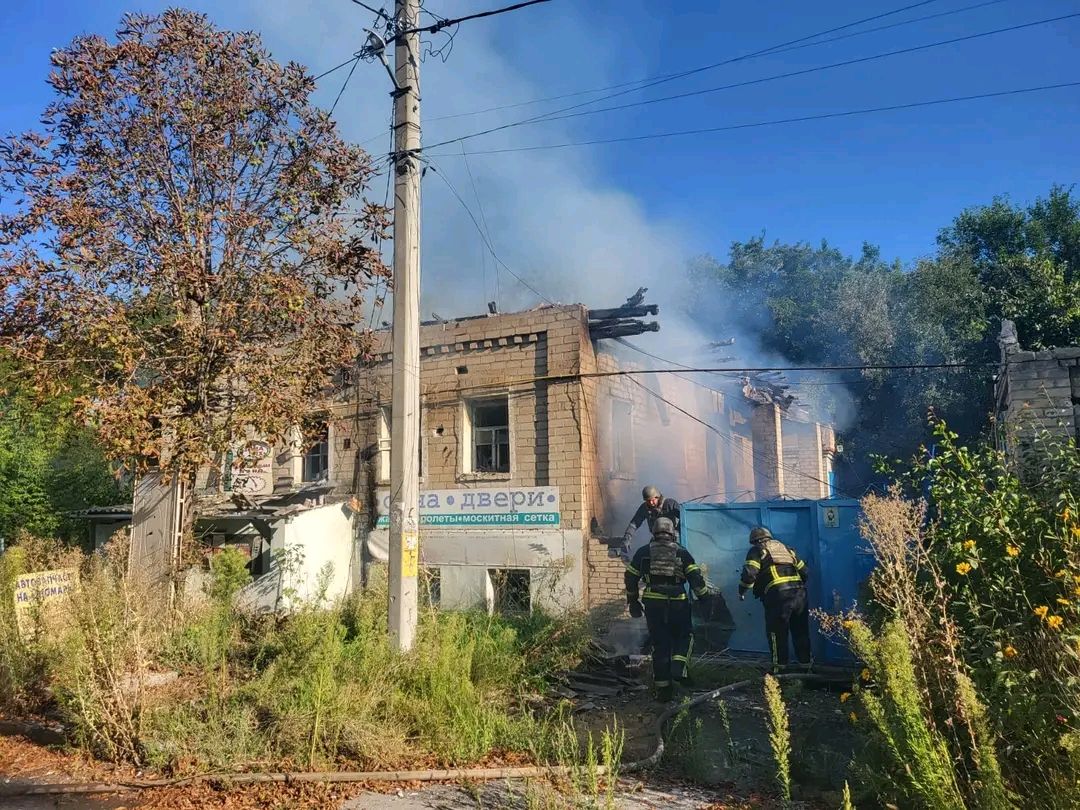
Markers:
{"x": 1040, "y": 391}
{"x": 473, "y": 359}
{"x": 804, "y": 461}
{"x": 765, "y": 424}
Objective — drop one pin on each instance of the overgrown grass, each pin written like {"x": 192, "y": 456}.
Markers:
{"x": 779, "y": 736}
{"x": 320, "y": 688}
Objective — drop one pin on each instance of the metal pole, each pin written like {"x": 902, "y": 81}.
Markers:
{"x": 405, "y": 399}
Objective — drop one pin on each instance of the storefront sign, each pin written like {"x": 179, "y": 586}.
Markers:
{"x": 481, "y": 508}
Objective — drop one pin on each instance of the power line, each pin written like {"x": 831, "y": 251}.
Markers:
{"x": 794, "y": 44}
{"x": 890, "y": 26}
{"x": 774, "y": 122}
{"x": 441, "y": 24}
{"x": 378, "y": 12}
{"x": 336, "y": 68}
{"x": 480, "y": 231}
{"x": 566, "y": 113}
{"x": 341, "y": 92}
{"x": 483, "y": 219}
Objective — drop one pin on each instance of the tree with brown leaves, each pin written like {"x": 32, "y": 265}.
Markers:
{"x": 172, "y": 242}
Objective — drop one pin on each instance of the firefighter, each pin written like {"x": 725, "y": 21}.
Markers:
{"x": 778, "y": 578}
{"x": 666, "y": 568}
{"x": 653, "y": 506}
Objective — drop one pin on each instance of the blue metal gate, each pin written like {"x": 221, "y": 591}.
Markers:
{"x": 824, "y": 533}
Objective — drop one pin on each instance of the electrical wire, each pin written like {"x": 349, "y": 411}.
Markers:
{"x": 446, "y": 23}
{"x": 341, "y": 92}
{"x": 774, "y": 122}
{"x": 487, "y": 228}
{"x": 480, "y": 231}
{"x": 783, "y": 47}
{"x": 560, "y": 115}
{"x": 376, "y": 11}
{"x": 336, "y": 68}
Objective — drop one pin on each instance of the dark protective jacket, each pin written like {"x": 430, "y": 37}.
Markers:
{"x": 665, "y": 567}
{"x": 771, "y": 567}
{"x": 669, "y": 508}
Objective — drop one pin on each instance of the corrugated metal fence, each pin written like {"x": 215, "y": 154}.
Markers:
{"x": 824, "y": 533}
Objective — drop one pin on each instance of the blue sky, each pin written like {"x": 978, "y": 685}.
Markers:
{"x": 576, "y": 222}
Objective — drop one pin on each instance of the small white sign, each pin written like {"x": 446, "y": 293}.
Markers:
{"x": 253, "y": 469}
{"x": 831, "y": 517}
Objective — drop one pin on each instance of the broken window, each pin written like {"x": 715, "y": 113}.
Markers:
{"x": 622, "y": 437}
{"x": 490, "y": 423}
{"x": 385, "y": 424}
{"x": 512, "y": 590}
{"x": 317, "y": 458}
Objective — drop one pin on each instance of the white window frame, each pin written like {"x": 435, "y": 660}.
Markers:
{"x": 329, "y": 441}
{"x": 467, "y": 447}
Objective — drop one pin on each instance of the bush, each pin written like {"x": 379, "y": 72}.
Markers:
{"x": 973, "y": 632}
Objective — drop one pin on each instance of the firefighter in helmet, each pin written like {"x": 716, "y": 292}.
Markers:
{"x": 653, "y": 506}
{"x": 778, "y": 578}
{"x": 666, "y": 568}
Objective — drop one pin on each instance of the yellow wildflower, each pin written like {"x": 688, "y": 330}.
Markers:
{"x": 1041, "y": 611}
{"x": 1076, "y": 531}
{"x": 1076, "y": 577}
{"x": 1062, "y": 574}
{"x": 969, "y": 545}
{"x": 1009, "y": 651}
{"x": 1066, "y": 514}
{"x": 963, "y": 569}
{"x": 1061, "y": 601}
{"x": 1055, "y": 622}
{"x": 1012, "y": 551}
{"x": 848, "y": 624}
{"x": 844, "y": 697}
{"x": 1076, "y": 591}
{"x": 865, "y": 674}
{"x": 854, "y": 718}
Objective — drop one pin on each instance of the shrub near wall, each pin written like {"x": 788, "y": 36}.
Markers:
{"x": 973, "y": 635}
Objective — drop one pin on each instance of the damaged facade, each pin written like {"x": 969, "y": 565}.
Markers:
{"x": 1036, "y": 392}
{"x": 535, "y": 443}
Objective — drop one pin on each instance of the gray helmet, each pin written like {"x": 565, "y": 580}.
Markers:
{"x": 759, "y": 534}
{"x": 664, "y": 526}
{"x": 650, "y": 492}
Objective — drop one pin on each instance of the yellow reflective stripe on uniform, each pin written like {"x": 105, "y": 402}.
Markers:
{"x": 679, "y": 658}
{"x": 701, "y": 591}
{"x": 633, "y": 570}
{"x": 754, "y": 564}
{"x": 800, "y": 565}
{"x": 693, "y": 567}
{"x": 781, "y": 581}
{"x": 662, "y": 683}
{"x": 652, "y": 595}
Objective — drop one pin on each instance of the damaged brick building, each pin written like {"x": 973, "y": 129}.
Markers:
{"x": 535, "y": 443}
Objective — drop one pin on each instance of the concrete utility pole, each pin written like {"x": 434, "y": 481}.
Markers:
{"x": 405, "y": 399}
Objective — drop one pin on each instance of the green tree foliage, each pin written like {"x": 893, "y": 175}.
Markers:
{"x": 49, "y": 465}
{"x": 816, "y": 306}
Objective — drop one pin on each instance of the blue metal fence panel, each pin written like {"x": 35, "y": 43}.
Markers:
{"x": 823, "y": 533}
